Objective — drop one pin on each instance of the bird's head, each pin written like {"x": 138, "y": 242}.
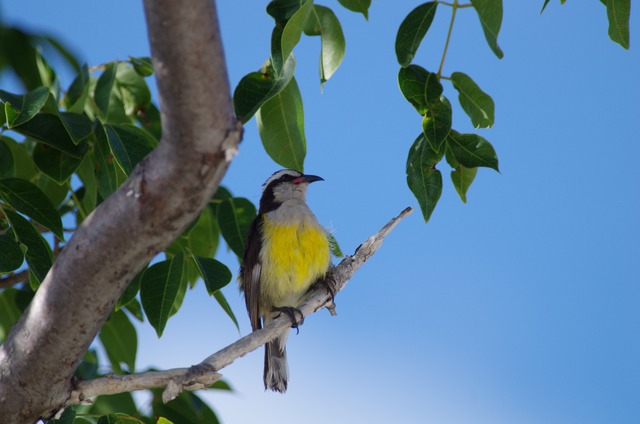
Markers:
{"x": 283, "y": 185}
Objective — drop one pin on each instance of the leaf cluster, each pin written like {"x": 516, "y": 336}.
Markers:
{"x": 62, "y": 152}
{"x": 272, "y": 94}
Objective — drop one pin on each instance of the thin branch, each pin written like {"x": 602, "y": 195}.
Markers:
{"x": 14, "y": 278}
{"x": 454, "y": 10}
{"x": 206, "y": 372}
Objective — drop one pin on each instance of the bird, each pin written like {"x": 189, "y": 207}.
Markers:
{"x": 287, "y": 251}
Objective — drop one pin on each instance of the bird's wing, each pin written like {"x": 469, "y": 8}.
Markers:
{"x": 250, "y": 272}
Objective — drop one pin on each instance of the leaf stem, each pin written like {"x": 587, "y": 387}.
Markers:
{"x": 454, "y": 7}
{"x": 459, "y": 6}
{"x": 81, "y": 211}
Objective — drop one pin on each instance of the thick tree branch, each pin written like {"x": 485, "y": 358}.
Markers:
{"x": 205, "y": 373}
{"x": 161, "y": 197}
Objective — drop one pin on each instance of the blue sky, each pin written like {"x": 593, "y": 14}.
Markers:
{"x": 521, "y": 306}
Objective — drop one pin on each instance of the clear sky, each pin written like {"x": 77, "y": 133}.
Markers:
{"x": 522, "y": 306}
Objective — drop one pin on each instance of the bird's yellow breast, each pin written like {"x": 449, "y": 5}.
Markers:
{"x": 293, "y": 257}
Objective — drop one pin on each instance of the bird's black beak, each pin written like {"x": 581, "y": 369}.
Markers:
{"x": 307, "y": 179}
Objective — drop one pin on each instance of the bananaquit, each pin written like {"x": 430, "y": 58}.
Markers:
{"x": 287, "y": 251}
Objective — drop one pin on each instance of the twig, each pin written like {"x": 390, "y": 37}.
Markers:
{"x": 14, "y": 278}
{"x": 205, "y": 373}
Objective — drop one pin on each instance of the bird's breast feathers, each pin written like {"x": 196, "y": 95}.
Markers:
{"x": 293, "y": 256}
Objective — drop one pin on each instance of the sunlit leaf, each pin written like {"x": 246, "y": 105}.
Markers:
{"x": 359, "y": 6}
{"x": 323, "y": 22}
{"x": 618, "y": 12}
{"x": 490, "y": 14}
{"x": 472, "y": 150}
{"x": 281, "y": 127}
{"x": 475, "y": 102}
{"x": 462, "y": 177}
{"x": 290, "y": 17}
{"x": 419, "y": 86}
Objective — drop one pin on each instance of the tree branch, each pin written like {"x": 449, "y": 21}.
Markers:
{"x": 161, "y": 197}
{"x": 205, "y": 373}
{"x": 14, "y": 278}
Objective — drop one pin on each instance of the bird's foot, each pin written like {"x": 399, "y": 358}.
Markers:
{"x": 291, "y": 312}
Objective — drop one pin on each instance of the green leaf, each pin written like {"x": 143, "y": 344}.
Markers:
{"x": 54, "y": 163}
{"x": 214, "y": 273}
{"x": 13, "y": 302}
{"x": 412, "y": 30}
{"x": 78, "y": 92}
{"x": 290, "y": 16}
{"x": 163, "y": 420}
{"x": 257, "y": 87}
{"x": 234, "y": 219}
{"x": 56, "y": 193}
{"x": 419, "y": 86}
{"x": 149, "y": 119}
{"x": 7, "y": 168}
{"x": 203, "y": 236}
{"x": 88, "y": 368}
{"x": 186, "y": 408}
{"x": 129, "y": 144}
{"x": 476, "y": 103}
{"x": 436, "y": 123}
{"x": 67, "y": 417}
{"x": 11, "y": 256}
{"x": 87, "y": 174}
{"x": 462, "y": 177}
{"x": 120, "y": 341}
{"x": 472, "y": 150}
{"x": 158, "y": 290}
{"x": 23, "y": 165}
{"x": 20, "y": 109}
{"x": 281, "y": 127}
{"x": 424, "y": 180}
{"x": 359, "y": 6}
{"x": 104, "y": 88}
{"x": 122, "y": 402}
{"x": 490, "y": 14}
{"x": 323, "y": 22}
{"x": 31, "y": 201}
{"x": 49, "y": 129}
{"x": 130, "y": 293}
{"x": 546, "y": 2}
{"x": 133, "y": 89}
{"x": 142, "y": 65}
{"x": 38, "y": 253}
{"x": 333, "y": 246}
{"x": 106, "y": 172}
{"x": 222, "y": 301}
{"x": 618, "y": 12}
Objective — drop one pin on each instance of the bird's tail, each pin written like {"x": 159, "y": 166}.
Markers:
{"x": 276, "y": 370}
